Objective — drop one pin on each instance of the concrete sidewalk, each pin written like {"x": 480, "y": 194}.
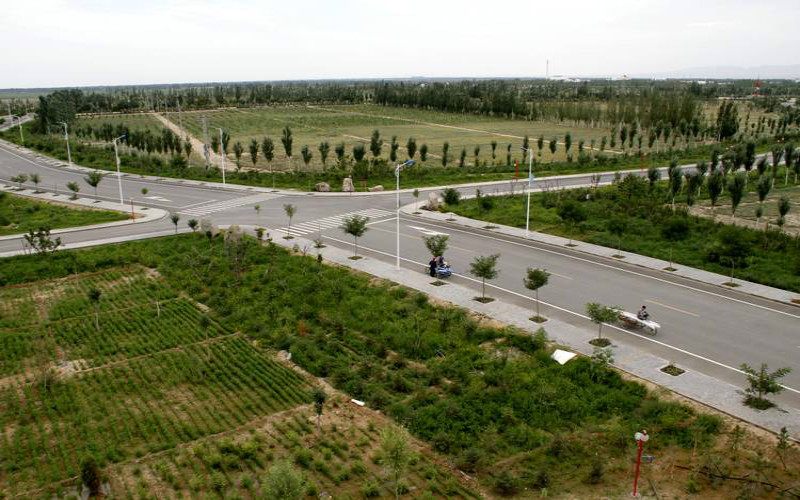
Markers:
{"x": 696, "y": 386}
{"x": 700, "y": 275}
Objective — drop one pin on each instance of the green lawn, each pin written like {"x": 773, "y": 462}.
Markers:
{"x": 19, "y": 214}
{"x": 771, "y": 258}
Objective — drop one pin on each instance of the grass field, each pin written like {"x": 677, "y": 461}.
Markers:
{"x": 312, "y": 125}
{"x": 134, "y": 121}
{"x": 19, "y": 214}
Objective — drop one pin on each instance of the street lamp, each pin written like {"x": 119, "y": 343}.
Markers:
{"x": 641, "y": 439}
{"x": 66, "y": 138}
{"x": 530, "y": 186}
{"x": 397, "y": 170}
{"x": 222, "y": 150}
{"x": 119, "y": 174}
{"x": 19, "y": 122}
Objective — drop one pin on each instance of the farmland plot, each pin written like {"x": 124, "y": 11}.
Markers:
{"x": 141, "y": 371}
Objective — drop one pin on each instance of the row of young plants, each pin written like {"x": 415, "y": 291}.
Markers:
{"x": 377, "y": 170}
{"x": 126, "y": 410}
{"x": 648, "y": 217}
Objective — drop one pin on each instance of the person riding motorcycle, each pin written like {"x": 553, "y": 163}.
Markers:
{"x": 643, "y": 314}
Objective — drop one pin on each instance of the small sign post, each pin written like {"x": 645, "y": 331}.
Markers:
{"x": 641, "y": 439}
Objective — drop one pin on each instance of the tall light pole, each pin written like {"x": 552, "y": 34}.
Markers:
{"x": 66, "y": 138}
{"x": 222, "y": 150}
{"x": 641, "y": 439}
{"x": 19, "y": 122}
{"x": 397, "y": 170}
{"x": 119, "y": 174}
{"x": 530, "y": 187}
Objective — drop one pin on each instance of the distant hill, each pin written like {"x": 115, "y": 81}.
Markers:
{"x": 789, "y": 71}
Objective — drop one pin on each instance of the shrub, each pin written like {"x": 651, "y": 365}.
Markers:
{"x": 371, "y": 490}
{"x": 451, "y": 196}
{"x": 506, "y": 483}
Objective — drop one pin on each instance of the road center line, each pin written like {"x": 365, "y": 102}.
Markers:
{"x": 673, "y": 308}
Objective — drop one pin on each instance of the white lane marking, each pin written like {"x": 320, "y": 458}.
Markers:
{"x": 196, "y": 204}
{"x": 335, "y": 221}
{"x": 226, "y": 204}
{"x": 673, "y": 308}
{"x": 157, "y": 198}
{"x": 428, "y": 232}
{"x": 559, "y": 275}
{"x": 681, "y": 285}
{"x": 623, "y": 330}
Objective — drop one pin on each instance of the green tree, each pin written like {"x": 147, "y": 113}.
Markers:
{"x": 462, "y": 159}
{"x": 485, "y": 268}
{"x": 286, "y": 140}
{"x": 617, "y": 225}
{"x": 393, "y": 147}
{"x": 193, "y": 223}
{"x": 788, "y": 159}
{"x": 355, "y": 226}
{"x": 283, "y": 482}
{"x": 74, "y": 187}
{"x": 175, "y": 218}
{"x": 675, "y": 184}
{"x": 254, "y": 151}
{"x": 477, "y": 152}
{"x": 411, "y": 148}
{"x": 36, "y": 179}
{"x": 238, "y": 150}
{"x": 540, "y": 144}
{"x": 395, "y": 452}
{"x": 307, "y": 155}
{"x": 92, "y": 476}
{"x": 290, "y": 210}
{"x": 727, "y": 120}
{"x": 319, "y": 397}
{"x": 732, "y": 245}
{"x": 493, "y": 145}
{"x": 784, "y": 205}
{"x": 736, "y": 188}
{"x": 415, "y": 193}
{"x": 324, "y": 150}
{"x": 187, "y": 148}
{"x": 93, "y": 179}
{"x": 40, "y": 241}
{"x": 423, "y": 153}
{"x": 94, "y": 295}
{"x": 436, "y": 244}
{"x": 534, "y": 280}
{"x": 226, "y": 138}
{"x": 600, "y": 314}
{"x": 215, "y": 143}
{"x": 553, "y": 145}
{"x": 268, "y": 150}
{"x": 572, "y": 213}
{"x": 777, "y": 155}
{"x": 375, "y": 144}
{"x": 567, "y": 142}
{"x": 761, "y": 383}
{"x": 653, "y": 175}
{"x": 445, "y": 153}
{"x": 715, "y": 182}
{"x": 358, "y": 152}
{"x": 340, "y": 152}
{"x": 675, "y": 229}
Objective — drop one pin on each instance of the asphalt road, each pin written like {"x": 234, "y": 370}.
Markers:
{"x": 705, "y": 328}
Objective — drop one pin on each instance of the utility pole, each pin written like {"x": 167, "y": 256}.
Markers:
{"x": 206, "y": 153}
{"x": 530, "y": 188}
{"x": 397, "y": 171}
{"x": 222, "y": 155}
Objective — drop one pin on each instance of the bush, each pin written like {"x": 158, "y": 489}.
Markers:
{"x": 451, "y": 196}
{"x": 506, "y": 483}
{"x": 371, "y": 490}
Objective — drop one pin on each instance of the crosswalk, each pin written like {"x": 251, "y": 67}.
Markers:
{"x": 314, "y": 226}
{"x": 200, "y": 211}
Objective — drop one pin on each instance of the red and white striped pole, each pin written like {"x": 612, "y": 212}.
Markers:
{"x": 641, "y": 439}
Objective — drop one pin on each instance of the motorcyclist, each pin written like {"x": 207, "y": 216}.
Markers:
{"x": 643, "y": 314}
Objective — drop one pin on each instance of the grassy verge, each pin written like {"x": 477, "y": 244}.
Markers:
{"x": 19, "y": 214}
{"x": 364, "y": 174}
{"x": 641, "y": 214}
{"x": 490, "y": 399}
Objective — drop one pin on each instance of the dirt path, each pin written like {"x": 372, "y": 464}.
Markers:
{"x": 197, "y": 144}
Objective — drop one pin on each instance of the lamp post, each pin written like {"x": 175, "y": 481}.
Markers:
{"x": 119, "y": 174}
{"x": 66, "y": 138}
{"x": 530, "y": 186}
{"x": 397, "y": 170}
{"x": 222, "y": 151}
{"x": 641, "y": 439}
{"x": 19, "y": 122}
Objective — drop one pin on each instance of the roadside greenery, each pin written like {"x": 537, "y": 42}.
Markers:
{"x": 644, "y": 223}
{"x": 21, "y": 215}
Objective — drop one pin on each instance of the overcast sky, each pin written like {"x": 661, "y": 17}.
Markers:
{"x": 99, "y": 42}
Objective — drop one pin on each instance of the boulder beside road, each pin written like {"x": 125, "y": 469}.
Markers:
{"x": 433, "y": 201}
{"x": 376, "y": 189}
{"x": 347, "y": 185}
{"x": 322, "y": 187}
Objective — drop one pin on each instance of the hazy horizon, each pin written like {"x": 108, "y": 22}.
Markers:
{"x": 59, "y": 43}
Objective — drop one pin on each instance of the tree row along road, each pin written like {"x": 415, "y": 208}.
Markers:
{"x": 704, "y": 328}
